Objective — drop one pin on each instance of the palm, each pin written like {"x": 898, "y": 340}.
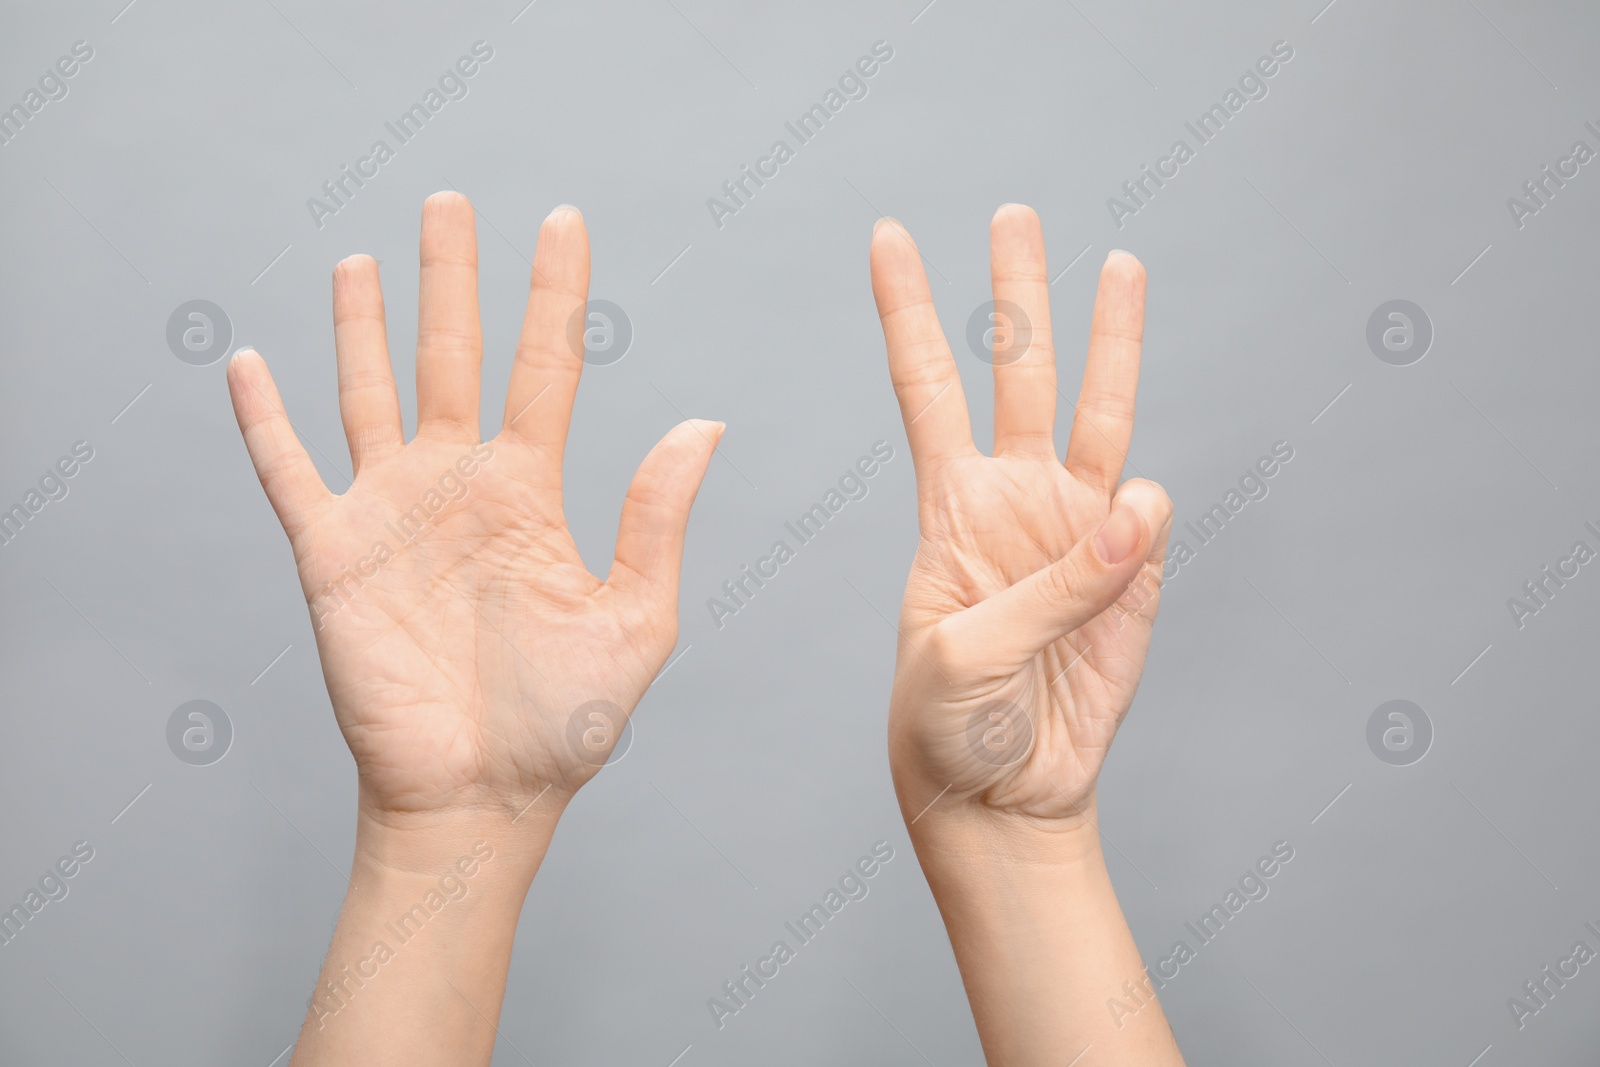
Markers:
{"x": 451, "y": 668}
{"x": 459, "y": 629}
{"x": 985, "y": 707}
{"x": 1006, "y": 519}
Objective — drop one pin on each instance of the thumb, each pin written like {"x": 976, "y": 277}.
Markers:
{"x": 655, "y": 514}
{"x": 1014, "y": 625}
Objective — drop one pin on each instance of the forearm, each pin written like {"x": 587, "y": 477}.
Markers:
{"x": 1041, "y": 942}
{"x": 417, "y": 968}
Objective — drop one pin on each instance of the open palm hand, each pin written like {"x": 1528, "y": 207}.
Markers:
{"x": 472, "y": 659}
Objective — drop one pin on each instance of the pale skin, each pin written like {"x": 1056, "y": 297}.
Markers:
{"x": 1024, "y": 628}
{"x": 457, "y": 662}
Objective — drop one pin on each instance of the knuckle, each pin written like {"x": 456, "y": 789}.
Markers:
{"x": 1061, "y": 582}
{"x": 1029, "y": 274}
{"x": 441, "y": 335}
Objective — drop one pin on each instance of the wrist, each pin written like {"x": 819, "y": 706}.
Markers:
{"x": 507, "y": 845}
{"x": 974, "y": 838}
{"x": 429, "y": 918}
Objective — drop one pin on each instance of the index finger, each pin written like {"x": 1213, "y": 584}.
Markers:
{"x": 920, "y": 364}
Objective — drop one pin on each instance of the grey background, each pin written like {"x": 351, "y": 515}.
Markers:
{"x": 1379, "y": 566}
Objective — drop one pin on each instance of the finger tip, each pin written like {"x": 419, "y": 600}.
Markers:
{"x": 888, "y": 225}
{"x": 1011, "y": 213}
{"x": 447, "y": 204}
{"x": 708, "y": 428}
{"x": 1124, "y": 274}
{"x": 892, "y": 243}
{"x": 1151, "y": 500}
{"x": 245, "y": 361}
{"x": 563, "y": 219}
{"x": 353, "y": 267}
{"x": 1120, "y": 259}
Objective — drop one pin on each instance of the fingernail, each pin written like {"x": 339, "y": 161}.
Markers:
{"x": 566, "y": 207}
{"x": 1118, "y": 252}
{"x": 1118, "y": 536}
{"x": 885, "y": 219}
{"x": 241, "y": 350}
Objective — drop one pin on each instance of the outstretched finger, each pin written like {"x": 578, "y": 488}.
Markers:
{"x": 549, "y": 360}
{"x": 368, "y": 402}
{"x": 1102, "y": 429}
{"x": 920, "y": 365}
{"x": 290, "y": 479}
{"x": 1024, "y": 352}
{"x": 449, "y": 337}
